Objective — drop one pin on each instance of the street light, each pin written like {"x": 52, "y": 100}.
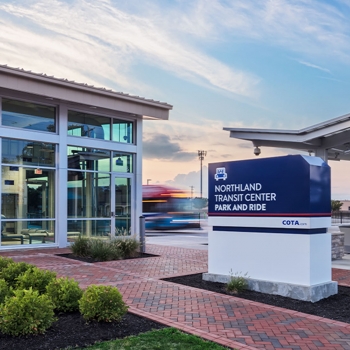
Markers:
{"x": 201, "y": 155}
{"x": 191, "y": 196}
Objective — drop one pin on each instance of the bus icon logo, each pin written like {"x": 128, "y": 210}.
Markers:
{"x": 220, "y": 174}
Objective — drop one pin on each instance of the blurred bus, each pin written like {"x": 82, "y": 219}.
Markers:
{"x": 167, "y": 208}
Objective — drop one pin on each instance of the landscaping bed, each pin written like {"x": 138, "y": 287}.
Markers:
{"x": 72, "y": 330}
{"x": 336, "y": 307}
{"x": 92, "y": 260}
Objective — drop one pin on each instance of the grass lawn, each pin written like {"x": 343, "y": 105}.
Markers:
{"x": 167, "y": 338}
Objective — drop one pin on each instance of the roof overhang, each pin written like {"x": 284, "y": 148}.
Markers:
{"x": 49, "y": 87}
{"x": 332, "y": 135}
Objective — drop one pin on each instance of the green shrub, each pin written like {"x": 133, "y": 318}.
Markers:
{"x": 127, "y": 246}
{"x": 4, "y": 262}
{"x": 81, "y": 246}
{"x": 237, "y": 283}
{"x": 36, "y": 278}
{"x": 65, "y": 294}
{"x": 26, "y": 312}
{"x": 5, "y": 290}
{"x": 102, "y": 303}
{"x": 102, "y": 250}
{"x": 14, "y": 270}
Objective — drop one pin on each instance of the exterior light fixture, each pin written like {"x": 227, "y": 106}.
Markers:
{"x": 257, "y": 151}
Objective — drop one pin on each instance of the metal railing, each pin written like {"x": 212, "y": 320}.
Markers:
{"x": 340, "y": 217}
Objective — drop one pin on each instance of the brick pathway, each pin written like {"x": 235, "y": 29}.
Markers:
{"x": 227, "y": 320}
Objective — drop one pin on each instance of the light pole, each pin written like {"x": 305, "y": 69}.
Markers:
{"x": 201, "y": 155}
{"x": 191, "y": 196}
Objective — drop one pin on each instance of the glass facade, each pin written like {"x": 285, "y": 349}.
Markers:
{"x": 99, "y": 181}
{"x": 27, "y": 115}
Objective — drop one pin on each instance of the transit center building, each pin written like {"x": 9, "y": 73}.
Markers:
{"x": 71, "y": 159}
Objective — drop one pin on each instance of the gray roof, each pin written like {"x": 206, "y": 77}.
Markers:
{"x": 41, "y": 84}
{"x": 332, "y": 135}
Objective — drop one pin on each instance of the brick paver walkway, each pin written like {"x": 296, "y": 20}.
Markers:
{"x": 227, "y": 320}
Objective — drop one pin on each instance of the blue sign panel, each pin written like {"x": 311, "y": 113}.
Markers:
{"x": 286, "y": 186}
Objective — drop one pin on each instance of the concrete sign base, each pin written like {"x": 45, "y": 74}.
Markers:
{"x": 292, "y": 265}
{"x": 306, "y": 293}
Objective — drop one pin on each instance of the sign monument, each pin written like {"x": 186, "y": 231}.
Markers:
{"x": 269, "y": 220}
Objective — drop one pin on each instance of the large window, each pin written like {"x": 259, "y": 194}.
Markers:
{"x": 98, "y": 198}
{"x": 88, "y": 195}
{"x": 28, "y": 153}
{"x": 87, "y": 125}
{"x": 122, "y": 131}
{"x": 27, "y": 192}
{"x": 83, "y": 158}
{"x": 93, "y": 126}
{"x": 88, "y": 182}
{"x": 28, "y": 115}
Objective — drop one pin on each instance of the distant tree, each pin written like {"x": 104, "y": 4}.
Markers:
{"x": 200, "y": 203}
{"x": 336, "y": 205}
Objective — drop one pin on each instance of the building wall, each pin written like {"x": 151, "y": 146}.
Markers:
{"x": 346, "y": 205}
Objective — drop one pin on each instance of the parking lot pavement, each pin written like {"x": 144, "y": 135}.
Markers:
{"x": 193, "y": 239}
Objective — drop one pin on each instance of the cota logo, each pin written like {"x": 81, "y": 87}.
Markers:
{"x": 220, "y": 174}
{"x": 290, "y": 222}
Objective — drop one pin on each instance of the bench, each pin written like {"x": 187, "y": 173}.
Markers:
{"x": 7, "y": 236}
{"x": 36, "y": 233}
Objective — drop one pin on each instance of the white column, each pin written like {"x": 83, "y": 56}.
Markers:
{"x": 138, "y": 177}
{"x": 322, "y": 153}
{"x": 61, "y": 186}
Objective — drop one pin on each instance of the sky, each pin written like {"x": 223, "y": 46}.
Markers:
{"x": 221, "y": 63}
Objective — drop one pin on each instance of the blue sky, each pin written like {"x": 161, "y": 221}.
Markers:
{"x": 245, "y": 63}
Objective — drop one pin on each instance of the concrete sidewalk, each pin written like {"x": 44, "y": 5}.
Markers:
{"x": 227, "y": 320}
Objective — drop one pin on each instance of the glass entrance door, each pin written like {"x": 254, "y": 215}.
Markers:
{"x": 121, "y": 203}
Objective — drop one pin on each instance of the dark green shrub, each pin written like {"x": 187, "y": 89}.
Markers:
{"x": 26, "y": 312}
{"x": 65, "y": 294}
{"x": 102, "y": 303}
{"x": 5, "y": 290}
{"x": 127, "y": 246}
{"x": 81, "y": 246}
{"x": 14, "y": 270}
{"x": 4, "y": 262}
{"x": 102, "y": 250}
{"x": 36, "y": 278}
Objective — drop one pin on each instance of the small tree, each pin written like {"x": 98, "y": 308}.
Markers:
{"x": 336, "y": 205}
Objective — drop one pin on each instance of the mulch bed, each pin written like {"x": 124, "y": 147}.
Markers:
{"x": 72, "y": 330}
{"x": 91, "y": 260}
{"x": 336, "y": 307}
